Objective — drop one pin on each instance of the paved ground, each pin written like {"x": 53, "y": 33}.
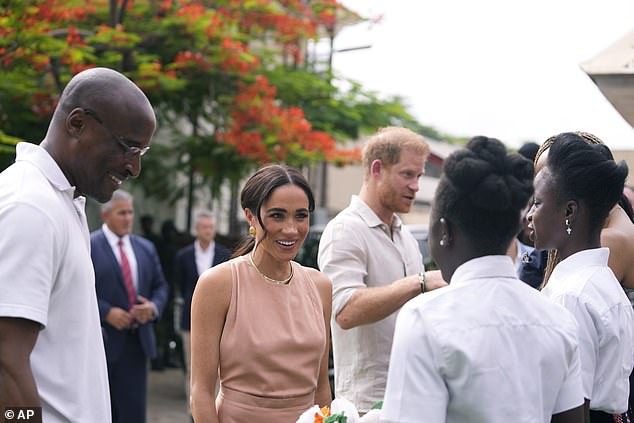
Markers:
{"x": 166, "y": 397}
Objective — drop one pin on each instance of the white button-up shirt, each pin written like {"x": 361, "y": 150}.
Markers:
{"x": 357, "y": 250}
{"x": 113, "y": 240}
{"x": 486, "y": 349}
{"x": 585, "y": 285}
{"x": 204, "y": 258}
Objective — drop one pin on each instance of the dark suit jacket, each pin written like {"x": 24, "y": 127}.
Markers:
{"x": 533, "y": 267}
{"x": 111, "y": 291}
{"x": 186, "y": 275}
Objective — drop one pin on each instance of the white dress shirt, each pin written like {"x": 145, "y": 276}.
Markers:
{"x": 204, "y": 258}
{"x": 585, "y": 285}
{"x": 357, "y": 250}
{"x": 113, "y": 241}
{"x": 486, "y": 349}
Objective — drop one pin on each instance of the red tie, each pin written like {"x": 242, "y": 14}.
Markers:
{"x": 126, "y": 271}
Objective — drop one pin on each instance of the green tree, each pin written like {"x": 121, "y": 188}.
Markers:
{"x": 227, "y": 78}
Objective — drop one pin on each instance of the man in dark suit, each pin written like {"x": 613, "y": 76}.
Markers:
{"x": 189, "y": 263}
{"x": 131, "y": 293}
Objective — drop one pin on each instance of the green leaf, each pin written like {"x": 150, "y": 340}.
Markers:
{"x": 336, "y": 418}
{"x": 377, "y": 405}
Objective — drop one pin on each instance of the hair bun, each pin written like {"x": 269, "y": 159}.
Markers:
{"x": 492, "y": 180}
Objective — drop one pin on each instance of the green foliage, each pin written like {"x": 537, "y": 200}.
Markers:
{"x": 336, "y": 418}
{"x": 7, "y": 149}
{"x": 195, "y": 60}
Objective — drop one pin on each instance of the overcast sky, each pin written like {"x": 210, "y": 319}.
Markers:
{"x": 501, "y": 68}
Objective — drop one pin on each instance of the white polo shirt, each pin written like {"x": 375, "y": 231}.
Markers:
{"x": 585, "y": 285}
{"x": 357, "y": 250}
{"x": 47, "y": 276}
{"x": 486, "y": 349}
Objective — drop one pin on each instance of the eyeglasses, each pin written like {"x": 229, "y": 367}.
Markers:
{"x": 130, "y": 151}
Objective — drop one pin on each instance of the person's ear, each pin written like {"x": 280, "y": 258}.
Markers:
{"x": 375, "y": 168}
{"x": 572, "y": 210}
{"x": 248, "y": 214}
{"x": 75, "y": 122}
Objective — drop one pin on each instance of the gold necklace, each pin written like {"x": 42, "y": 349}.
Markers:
{"x": 274, "y": 281}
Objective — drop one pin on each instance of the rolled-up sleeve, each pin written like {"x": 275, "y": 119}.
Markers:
{"x": 343, "y": 258}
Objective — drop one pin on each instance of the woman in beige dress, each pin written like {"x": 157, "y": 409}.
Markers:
{"x": 260, "y": 322}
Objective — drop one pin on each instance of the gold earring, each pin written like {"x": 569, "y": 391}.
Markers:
{"x": 252, "y": 231}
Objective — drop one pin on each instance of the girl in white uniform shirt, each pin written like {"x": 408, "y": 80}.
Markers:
{"x": 574, "y": 193}
{"x": 488, "y": 348}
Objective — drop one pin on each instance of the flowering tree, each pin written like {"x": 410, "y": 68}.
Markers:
{"x": 227, "y": 78}
{"x": 200, "y": 62}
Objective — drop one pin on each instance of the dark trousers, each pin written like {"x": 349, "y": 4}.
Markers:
{"x": 600, "y": 417}
{"x": 128, "y": 382}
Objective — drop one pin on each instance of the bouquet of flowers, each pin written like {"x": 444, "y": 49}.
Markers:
{"x": 340, "y": 411}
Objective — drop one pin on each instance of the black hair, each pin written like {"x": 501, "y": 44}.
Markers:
{"x": 259, "y": 188}
{"x": 588, "y": 173}
{"x": 529, "y": 150}
{"x": 483, "y": 190}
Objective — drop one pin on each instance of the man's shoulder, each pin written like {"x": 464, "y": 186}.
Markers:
{"x": 142, "y": 242}
{"x": 220, "y": 247}
{"x": 222, "y": 250}
{"x": 96, "y": 235}
{"x": 184, "y": 251}
{"x": 22, "y": 183}
{"x": 348, "y": 218}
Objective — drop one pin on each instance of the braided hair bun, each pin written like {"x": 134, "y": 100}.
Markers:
{"x": 483, "y": 190}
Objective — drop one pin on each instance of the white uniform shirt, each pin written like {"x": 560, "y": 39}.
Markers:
{"x": 585, "y": 285}
{"x": 357, "y": 250}
{"x": 47, "y": 276}
{"x": 486, "y": 349}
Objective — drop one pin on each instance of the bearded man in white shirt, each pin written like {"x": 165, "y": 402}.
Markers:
{"x": 374, "y": 263}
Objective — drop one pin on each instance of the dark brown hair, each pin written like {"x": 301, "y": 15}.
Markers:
{"x": 259, "y": 188}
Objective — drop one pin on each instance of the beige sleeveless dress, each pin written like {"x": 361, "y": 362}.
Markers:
{"x": 271, "y": 347}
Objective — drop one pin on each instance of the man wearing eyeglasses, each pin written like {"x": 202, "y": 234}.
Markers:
{"x": 51, "y": 346}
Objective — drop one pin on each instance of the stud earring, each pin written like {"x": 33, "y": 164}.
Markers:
{"x": 568, "y": 228}
{"x": 443, "y": 242}
{"x": 252, "y": 231}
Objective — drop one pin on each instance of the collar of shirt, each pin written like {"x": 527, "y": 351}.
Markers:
{"x": 199, "y": 249}
{"x": 40, "y": 158}
{"x": 204, "y": 258}
{"x": 582, "y": 259}
{"x": 486, "y": 267}
{"x": 371, "y": 219}
{"x": 113, "y": 239}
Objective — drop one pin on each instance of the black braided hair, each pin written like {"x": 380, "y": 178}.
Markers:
{"x": 587, "y": 172}
{"x": 483, "y": 191}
